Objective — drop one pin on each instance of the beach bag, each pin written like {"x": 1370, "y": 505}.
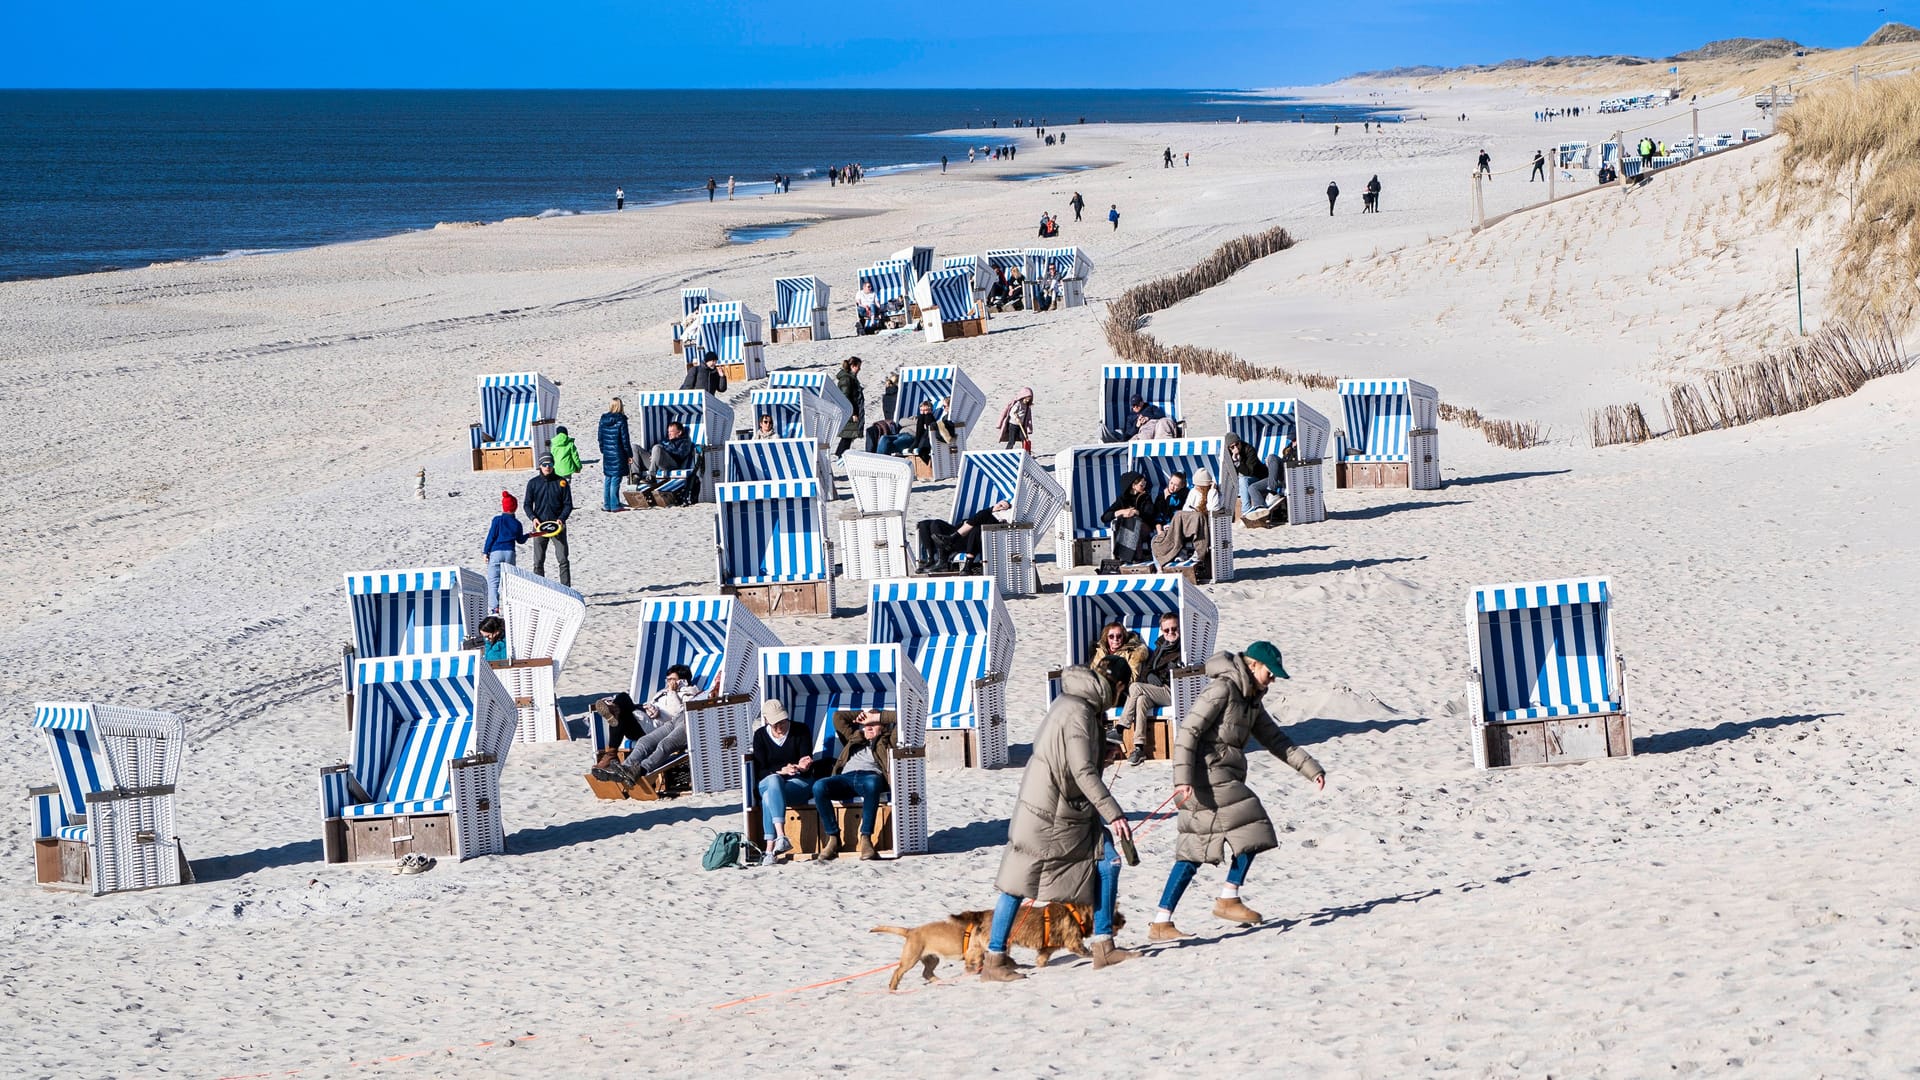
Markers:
{"x": 723, "y": 853}
{"x": 1129, "y": 537}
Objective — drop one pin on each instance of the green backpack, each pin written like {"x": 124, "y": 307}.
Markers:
{"x": 723, "y": 853}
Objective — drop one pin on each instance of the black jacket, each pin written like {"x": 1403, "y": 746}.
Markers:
{"x": 549, "y": 498}
{"x": 769, "y": 759}
{"x": 1160, "y": 664}
{"x": 680, "y": 450}
{"x": 1249, "y": 463}
{"x": 701, "y": 377}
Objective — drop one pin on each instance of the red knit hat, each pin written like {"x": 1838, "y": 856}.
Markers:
{"x": 508, "y": 504}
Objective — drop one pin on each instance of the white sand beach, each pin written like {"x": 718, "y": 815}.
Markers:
{"x": 205, "y": 449}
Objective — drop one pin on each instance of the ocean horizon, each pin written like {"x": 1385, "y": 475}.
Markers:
{"x": 94, "y": 180}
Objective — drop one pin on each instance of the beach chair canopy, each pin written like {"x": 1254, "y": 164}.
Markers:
{"x": 919, "y": 259}
{"x": 1381, "y": 412}
{"x": 956, "y": 630}
{"x": 814, "y": 682}
{"x": 1070, "y": 263}
{"x": 1161, "y": 458}
{"x": 832, "y": 402}
{"x": 974, "y": 265}
{"x": 951, "y": 291}
{"x": 1136, "y": 601}
{"x": 692, "y": 298}
{"x": 1272, "y": 425}
{"x": 1093, "y": 482}
{"x": 509, "y": 405}
{"x": 402, "y": 612}
{"x": 1009, "y": 259}
{"x": 796, "y": 414}
{"x": 935, "y": 383}
{"x": 708, "y": 419}
{"x": 772, "y": 459}
{"x": 772, "y": 531}
{"x": 1545, "y": 649}
{"x": 880, "y": 482}
{"x": 718, "y": 639}
{"x": 988, "y": 476}
{"x": 797, "y": 299}
{"x": 1156, "y": 384}
{"x": 411, "y": 716}
{"x": 542, "y": 616}
{"x": 892, "y": 280}
{"x": 724, "y": 328}
{"x": 99, "y": 748}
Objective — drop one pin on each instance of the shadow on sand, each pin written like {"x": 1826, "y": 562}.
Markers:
{"x": 1668, "y": 742}
{"x": 1261, "y": 573}
{"x": 608, "y": 826}
{"x": 1501, "y": 478}
{"x": 228, "y": 867}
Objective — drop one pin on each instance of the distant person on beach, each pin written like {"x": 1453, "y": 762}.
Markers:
{"x": 943, "y": 163}
{"x": 710, "y": 186}
{"x": 1333, "y": 196}
{"x": 969, "y": 155}
{"x": 1539, "y": 166}
{"x": 1373, "y": 195}
{"x": 619, "y": 198}
{"x": 1065, "y": 825}
{"x": 868, "y": 317}
{"x": 833, "y": 175}
{"x": 1166, "y": 158}
{"x": 729, "y": 189}
{"x": 549, "y": 499}
{"x": 1113, "y": 216}
{"x": 1016, "y": 421}
{"x": 616, "y": 453}
{"x": 1486, "y": 162}
{"x": 1187, "y": 156}
{"x": 499, "y": 548}
{"x": 1217, "y": 809}
{"x": 1078, "y": 205}
{"x": 848, "y": 380}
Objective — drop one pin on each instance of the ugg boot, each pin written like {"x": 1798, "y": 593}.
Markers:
{"x": 998, "y": 967}
{"x": 1166, "y": 931}
{"x": 1105, "y": 952}
{"x": 865, "y": 847}
{"x": 1231, "y": 909}
{"x": 831, "y": 850}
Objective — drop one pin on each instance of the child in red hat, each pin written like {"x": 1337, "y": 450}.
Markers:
{"x": 503, "y": 535}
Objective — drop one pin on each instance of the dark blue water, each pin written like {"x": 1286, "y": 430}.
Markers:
{"x": 95, "y": 180}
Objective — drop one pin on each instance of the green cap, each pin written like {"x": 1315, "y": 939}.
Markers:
{"x": 1267, "y": 653}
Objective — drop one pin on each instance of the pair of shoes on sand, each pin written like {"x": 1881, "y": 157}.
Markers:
{"x": 771, "y": 856}
{"x": 415, "y": 864}
{"x": 831, "y": 849}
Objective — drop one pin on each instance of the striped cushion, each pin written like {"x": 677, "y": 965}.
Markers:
{"x": 74, "y": 832}
{"x": 1549, "y": 712}
{"x": 442, "y": 805}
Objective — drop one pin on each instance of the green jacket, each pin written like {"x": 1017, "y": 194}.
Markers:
{"x": 566, "y": 455}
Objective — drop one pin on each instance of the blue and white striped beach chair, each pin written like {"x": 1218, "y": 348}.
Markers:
{"x": 1272, "y": 426}
{"x": 106, "y": 822}
{"x": 892, "y": 281}
{"x": 816, "y": 682}
{"x": 964, "y": 403}
{"x": 800, "y": 309}
{"x": 919, "y": 260}
{"x": 797, "y": 416}
{"x": 1155, "y": 384}
{"x": 772, "y": 546}
{"x": 430, "y": 736}
{"x": 720, "y": 641}
{"x": 976, "y": 265}
{"x": 1391, "y": 438}
{"x": 1074, "y": 268}
{"x": 729, "y": 330}
{"x": 1548, "y": 685}
{"x": 543, "y": 617}
{"x": 517, "y": 416}
{"x": 1158, "y": 459}
{"x": 961, "y": 639}
{"x": 690, "y": 301}
{"x": 1007, "y": 260}
{"x": 948, "y": 305}
{"x": 1092, "y": 475}
{"x": 1007, "y": 550}
{"x": 709, "y": 424}
{"x": 408, "y": 612}
{"x": 833, "y": 404}
{"x": 1136, "y": 601}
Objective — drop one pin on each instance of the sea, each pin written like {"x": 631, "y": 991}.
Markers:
{"x": 96, "y": 180}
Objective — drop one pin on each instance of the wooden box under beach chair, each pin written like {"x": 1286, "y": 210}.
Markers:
{"x": 106, "y": 823}
{"x": 800, "y": 309}
{"x": 1392, "y": 435}
{"x": 942, "y": 386}
{"x": 517, "y": 418}
{"x": 1137, "y": 602}
{"x": 1548, "y": 686}
{"x": 873, "y": 540}
{"x": 430, "y": 736}
{"x": 816, "y": 682}
{"x": 1007, "y": 549}
{"x": 961, "y": 639}
{"x": 1294, "y": 431}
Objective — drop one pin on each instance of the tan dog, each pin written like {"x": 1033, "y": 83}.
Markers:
{"x": 1044, "y": 928}
{"x": 955, "y": 937}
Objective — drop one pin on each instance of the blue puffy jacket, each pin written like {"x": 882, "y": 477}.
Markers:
{"x": 616, "y": 445}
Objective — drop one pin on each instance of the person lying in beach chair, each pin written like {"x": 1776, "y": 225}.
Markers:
{"x": 1150, "y": 421}
{"x": 943, "y": 544}
{"x": 663, "y": 738}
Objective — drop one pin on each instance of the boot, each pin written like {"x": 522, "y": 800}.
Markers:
{"x": 831, "y": 850}
{"x": 1166, "y": 931}
{"x": 1232, "y": 910}
{"x": 1105, "y": 952}
{"x": 1139, "y": 755}
{"x": 998, "y": 967}
{"x": 865, "y": 848}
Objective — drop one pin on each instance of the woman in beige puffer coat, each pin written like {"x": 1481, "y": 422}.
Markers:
{"x": 1217, "y": 808}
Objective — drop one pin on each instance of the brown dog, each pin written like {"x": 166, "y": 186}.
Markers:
{"x": 955, "y": 937}
{"x": 1044, "y": 928}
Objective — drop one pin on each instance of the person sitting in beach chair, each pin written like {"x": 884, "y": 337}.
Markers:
{"x": 869, "y": 315}
{"x": 664, "y": 738}
{"x": 1050, "y": 289}
{"x": 943, "y": 543}
{"x": 783, "y": 760}
{"x": 1263, "y": 497}
{"x": 863, "y": 771}
{"x": 706, "y": 375}
{"x": 1150, "y": 421}
{"x": 1152, "y": 687}
{"x": 674, "y": 453}
{"x": 1181, "y": 541}
{"x": 1116, "y": 641}
{"x": 1130, "y": 519}
{"x": 1171, "y": 500}
{"x": 919, "y": 441}
{"x": 765, "y": 429}
{"x": 493, "y": 639}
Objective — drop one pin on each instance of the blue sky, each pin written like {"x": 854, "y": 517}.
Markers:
{"x": 800, "y": 43}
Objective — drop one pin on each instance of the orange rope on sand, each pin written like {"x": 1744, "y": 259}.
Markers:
{"x": 798, "y": 989}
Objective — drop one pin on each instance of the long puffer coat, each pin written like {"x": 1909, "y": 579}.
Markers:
{"x": 616, "y": 444}
{"x": 1209, "y": 756}
{"x": 856, "y": 395}
{"x": 1054, "y": 839}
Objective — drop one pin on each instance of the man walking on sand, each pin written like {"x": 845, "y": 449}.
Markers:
{"x": 1486, "y": 162}
{"x": 1078, "y": 205}
{"x": 1166, "y": 158}
{"x": 1539, "y": 166}
{"x": 1333, "y": 194}
{"x": 1113, "y": 216}
{"x": 710, "y": 186}
{"x": 943, "y": 163}
{"x": 619, "y": 198}
{"x": 729, "y": 189}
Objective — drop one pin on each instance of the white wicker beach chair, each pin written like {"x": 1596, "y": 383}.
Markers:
{"x": 543, "y": 617}
{"x": 873, "y": 541}
{"x": 106, "y": 823}
{"x": 1007, "y": 550}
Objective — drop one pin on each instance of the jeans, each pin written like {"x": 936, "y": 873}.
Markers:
{"x": 893, "y": 444}
{"x": 495, "y": 560}
{"x": 776, "y": 792}
{"x": 1108, "y": 869}
{"x": 1183, "y": 872}
{"x": 656, "y": 749}
{"x": 559, "y": 553}
{"x": 1257, "y": 493}
{"x": 610, "y": 494}
{"x": 865, "y": 786}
